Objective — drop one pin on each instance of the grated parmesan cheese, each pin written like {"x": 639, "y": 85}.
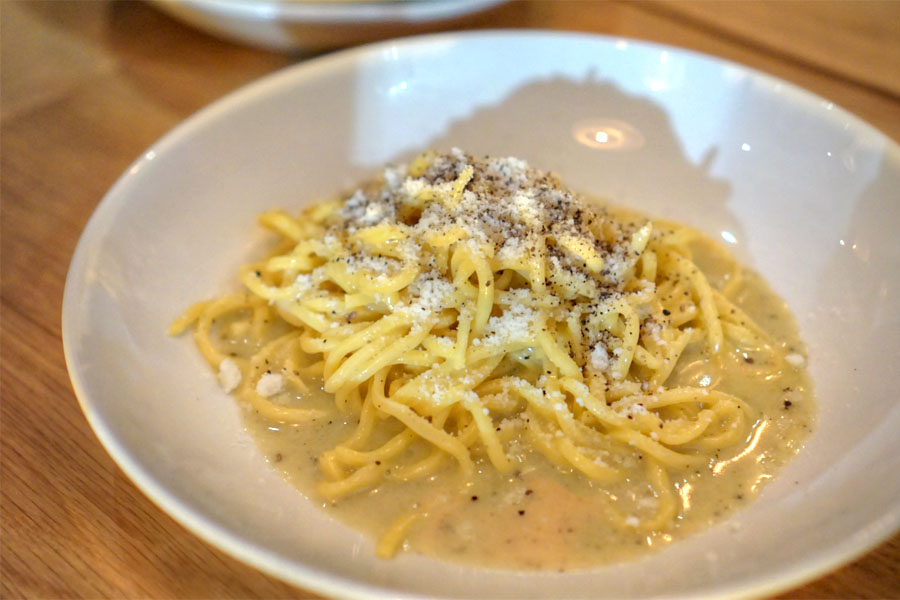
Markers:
{"x": 600, "y": 357}
{"x": 229, "y": 375}
{"x": 513, "y": 325}
{"x": 628, "y": 407}
{"x": 795, "y": 360}
{"x": 269, "y": 384}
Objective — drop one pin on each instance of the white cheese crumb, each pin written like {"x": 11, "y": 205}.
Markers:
{"x": 302, "y": 283}
{"x": 632, "y": 521}
{"x": 653, "y": 329}
{"x": 600, "y": 357}
{"x": 512, "y": 249}
{"x": 269, "y": 384}
{"x": 628, "y": 407}
{"x": 374, "y": 213}
{"x": 516, "y": 163}
{"x": 430, "y": 292}
{"x": 527, "y": 206}
{"x": 513, "y": 325}
{"x": 445, "y": 342}
{"x": 394, "y": 176}
{"x": 412, "y": 187}
{"x": 795, "y": 360}
{"x": 229, "y": 375}
{"x": 615, "y": 267}
{"x": 379, "y": 265}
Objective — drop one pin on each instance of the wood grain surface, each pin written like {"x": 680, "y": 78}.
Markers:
{"x": 86, "y": 86}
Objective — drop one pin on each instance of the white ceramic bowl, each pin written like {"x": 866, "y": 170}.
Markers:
{"x": 318, "y": 24}
{"x": 807, "y": 193}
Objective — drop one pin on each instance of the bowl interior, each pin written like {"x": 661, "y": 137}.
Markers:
{"x": 807, "y": 193}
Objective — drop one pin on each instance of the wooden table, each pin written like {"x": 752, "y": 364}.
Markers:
{"x": 86, "y": 86}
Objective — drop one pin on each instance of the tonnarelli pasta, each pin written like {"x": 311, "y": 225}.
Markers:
{"x": 464, "y": 314}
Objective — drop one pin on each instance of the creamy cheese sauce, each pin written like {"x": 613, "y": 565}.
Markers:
{"x": 544, "y": 517}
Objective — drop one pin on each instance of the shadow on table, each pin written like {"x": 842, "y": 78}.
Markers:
{"x": 604, "y": 143}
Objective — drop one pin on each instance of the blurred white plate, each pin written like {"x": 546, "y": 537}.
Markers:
{"x": 310, "y": 25}
{"x": 806, "y": 193}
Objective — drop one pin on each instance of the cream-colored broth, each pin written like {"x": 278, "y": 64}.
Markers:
{"x": 544, "y": 517}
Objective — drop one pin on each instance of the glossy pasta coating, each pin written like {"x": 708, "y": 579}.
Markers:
{"x": 467, "y": 311}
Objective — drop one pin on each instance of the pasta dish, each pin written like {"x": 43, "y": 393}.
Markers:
{"x": 474, "y": 333}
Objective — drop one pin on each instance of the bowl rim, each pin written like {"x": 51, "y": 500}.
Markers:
{"x": 810, "y": 567}
{"x": 347, "y": 13}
